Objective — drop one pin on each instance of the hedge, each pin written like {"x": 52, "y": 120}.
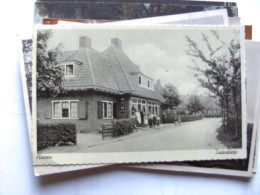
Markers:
{"x": 123, "y": 126}
{"x": 55, "y": 134}
{"x": 212, "y": 115}
{"x": 184, "y": 118}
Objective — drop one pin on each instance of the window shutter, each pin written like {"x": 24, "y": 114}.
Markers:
{"x": 99, "y": 110}
{"x": 114, "y": 110}
{"x": 86, "y": 111}
{"x": 83, "y": 110}
{"x": 48, "y": 111}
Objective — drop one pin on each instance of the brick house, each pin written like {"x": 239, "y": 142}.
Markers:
{"x": 102, "y": 86}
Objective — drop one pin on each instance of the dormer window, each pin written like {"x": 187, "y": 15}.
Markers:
{"x": 69, "y": 71}
{"x": 70, "y": 68}
{"x": 145, "y": 82}
{"x": 140, "y": 80}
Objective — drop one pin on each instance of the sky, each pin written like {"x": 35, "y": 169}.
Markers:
{"x": 159, "y": 52}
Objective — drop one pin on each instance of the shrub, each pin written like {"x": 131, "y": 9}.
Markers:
{"x": 184, "y": 118}
{"x": 123, "y": 126}
{"x": 212, "y": 115}
{"x": 55, "y": 134}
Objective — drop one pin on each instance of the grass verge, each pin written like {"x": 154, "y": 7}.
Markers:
{"x": 229, "y": 139}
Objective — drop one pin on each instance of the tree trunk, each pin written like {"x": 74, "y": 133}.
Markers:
{"x": 223, "y": 115}
{"x": 227, "y": 111}
{"x": 236, "y": 111}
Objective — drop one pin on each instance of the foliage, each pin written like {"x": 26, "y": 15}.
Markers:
{"x": 49, "y": 76}
{"x": 212, "y": 115}
{"x": 55, "y": 134}
{"x": 228, "y": 139}
{"x": 194, "y": 105}
{"x": 171, "y": 95}
{"x": 27, "y": 56}
{"x": 123, "y": 127}
{"x": 221, "y": 74}
{"x": 184, "y": 118}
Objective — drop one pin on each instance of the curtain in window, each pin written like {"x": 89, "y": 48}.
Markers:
{"x": 109, "y": 110}
{"x": 65, "y": 109}
{"x": 69, "y": 70}
{"x": 73, "y": 109}
{"x": 57, "y": 109}
{"x": 104, "y": 109}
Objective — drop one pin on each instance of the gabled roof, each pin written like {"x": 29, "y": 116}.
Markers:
{"x": 122, "y": 61}
{"x": 110, "y": 71}
{"x": 95, "y": 72}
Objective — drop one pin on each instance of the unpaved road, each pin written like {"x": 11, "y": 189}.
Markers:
{"x": 190, "y": 135}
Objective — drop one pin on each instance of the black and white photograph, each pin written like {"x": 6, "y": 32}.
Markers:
{"x": 131, "y": 94}
{"x": 201, "y": 166}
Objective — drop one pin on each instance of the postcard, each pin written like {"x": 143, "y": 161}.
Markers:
{"x": 117, "y": 97}
{"x": 123, "y": 10}
{"x": 213, "y": 17}
{"x": 26, "y": 47}
{"x": 214, "y": 167}
{"x": 77, "y": 165}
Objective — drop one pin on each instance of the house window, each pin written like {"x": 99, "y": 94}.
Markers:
{"x": 147, "y": 106}
{"x": 73, "y": 109}
{"x": 56, "y": 110}
{"x": 107, "y": 108}
{"x": 138, "y": 104}
{"x": 145, "y": 82}
{"x": 65, "y": 109}
{"x": 69, "y": 71}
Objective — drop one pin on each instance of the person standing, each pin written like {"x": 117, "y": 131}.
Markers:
{"x": 138, "y": 117}
{"x": 163, "y": 117}
{"x": 154, "y": 121}
{"x": 142, "y": 117}
{"x": 150, "y": 120}
{"x": 179, "y": 119}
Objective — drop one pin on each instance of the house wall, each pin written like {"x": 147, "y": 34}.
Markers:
{"x": 92, "y": 123}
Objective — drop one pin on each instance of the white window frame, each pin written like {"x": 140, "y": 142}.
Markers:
{"x": 64, "y": 67}
{"x": 146, "y": 105}
{"x": 65, "y": 70}
{"x": 146, "y": 82}
{"x": 61, "y": 101}
{"x": 112, "y": 111}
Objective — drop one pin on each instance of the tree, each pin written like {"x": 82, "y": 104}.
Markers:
{"x": 171, "y": 95}
{"x": 27, "y": 56}
{"x": 49, "y": 76}
{"x": 221, "y": 75}
{"x": 194, "y": 105}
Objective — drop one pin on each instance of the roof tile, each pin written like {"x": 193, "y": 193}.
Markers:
{"x": 109, "y": 71}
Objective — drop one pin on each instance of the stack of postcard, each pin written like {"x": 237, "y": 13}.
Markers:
{"x": 162, "y": 85}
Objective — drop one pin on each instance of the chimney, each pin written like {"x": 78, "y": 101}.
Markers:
{"x": 84, "y": 42}
{"x": 117, "y": 43}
